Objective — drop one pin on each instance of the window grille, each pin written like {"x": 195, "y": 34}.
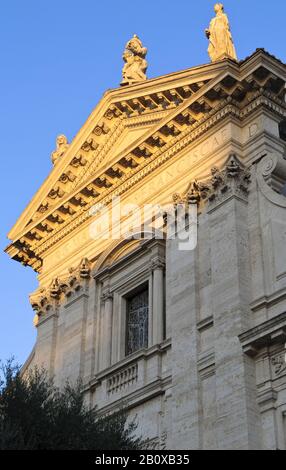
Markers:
{"x": 137, "y": 322}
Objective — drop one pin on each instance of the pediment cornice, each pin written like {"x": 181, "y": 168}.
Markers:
{"x": 92, "y": 171}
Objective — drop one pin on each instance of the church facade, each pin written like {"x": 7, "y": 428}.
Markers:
{"x": 192, "y": 341}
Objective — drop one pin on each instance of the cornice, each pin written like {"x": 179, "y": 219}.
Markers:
{"x": 270, "y": 332}
{"x": 177, "y": 116}
{"x": 177, "y": 145}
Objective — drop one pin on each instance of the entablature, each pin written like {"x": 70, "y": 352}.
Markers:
{"x": 177, "y": 115}
{"x": 270, "y": 332}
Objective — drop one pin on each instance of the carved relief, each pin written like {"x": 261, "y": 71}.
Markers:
{"x": 90, "y": 145}
{"x": 43, "y": 208}
{"x": 100, "y": 129}
{"x": 78, "y": 161}
{"x": 234, "y": 178}
{"x": 279, "y": 364}
{"x": 47, "y": 299}
{"x": 67, "y": 177}
{"x": 84, "y": 269}
{"x": 56, "y": 193}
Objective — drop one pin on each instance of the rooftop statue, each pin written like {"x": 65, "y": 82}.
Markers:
{"x": 62, "y": 146}
{"x": 221, "y": 43}
{"x": 135, "y": 67}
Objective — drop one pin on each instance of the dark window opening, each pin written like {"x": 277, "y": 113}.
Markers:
{"x": 137, "y": 321}
{"x": 282, "y": 130}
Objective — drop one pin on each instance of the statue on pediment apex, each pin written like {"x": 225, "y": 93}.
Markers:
{"x": 62, "y": 146}
{"x": 221, "y": 44}
{"x": 135, "y": 67}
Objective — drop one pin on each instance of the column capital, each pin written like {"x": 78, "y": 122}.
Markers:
{"x": 157, "y": 263}
{"x": 107, "y": 295}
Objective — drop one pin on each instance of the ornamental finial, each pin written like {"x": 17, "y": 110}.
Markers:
{"x": 135, "y": 67}
{"x": 221, "y": 44}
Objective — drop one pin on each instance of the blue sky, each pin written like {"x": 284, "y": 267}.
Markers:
{"x": 56, "y": 59}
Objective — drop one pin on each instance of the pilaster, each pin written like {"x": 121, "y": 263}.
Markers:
{"x": 237, "y": 414}
{"x": 106, "y": 328}
{"x": 157, "y": 268}
{"x": 183, "y": 303}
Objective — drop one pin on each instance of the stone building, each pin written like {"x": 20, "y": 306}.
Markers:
{"x": 191, "y": 341}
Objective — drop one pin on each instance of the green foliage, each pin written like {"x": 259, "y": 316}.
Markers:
{"x": 36, "y": 415}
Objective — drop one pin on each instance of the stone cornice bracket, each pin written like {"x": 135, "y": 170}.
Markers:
{"x": 196, "y": 193}
{"x": 22, "y": 251}
{"x": 279, "y": 364}
{"x": 55, "y": 289}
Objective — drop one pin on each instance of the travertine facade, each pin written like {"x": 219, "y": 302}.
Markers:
{"x": 211, "y": 370}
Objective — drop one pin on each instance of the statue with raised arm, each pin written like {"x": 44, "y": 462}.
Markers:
{"x": 62, "y": 146}
{"x": 135, "y": 67}
{"x": 221, "y": 43}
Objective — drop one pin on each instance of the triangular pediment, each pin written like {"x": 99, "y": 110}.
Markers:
{"x": 121, "y": 118}
{"x": 130, "y": 128}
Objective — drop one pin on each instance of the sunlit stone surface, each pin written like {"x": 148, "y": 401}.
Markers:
{"x": 206, "y": 328}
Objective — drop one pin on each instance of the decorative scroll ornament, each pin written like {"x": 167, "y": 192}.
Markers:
{"x": 62, "y": 146}
{"x": 135, "y": 67}
{"x": 270, "y": 172}
{"x": 221, "y": 43}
